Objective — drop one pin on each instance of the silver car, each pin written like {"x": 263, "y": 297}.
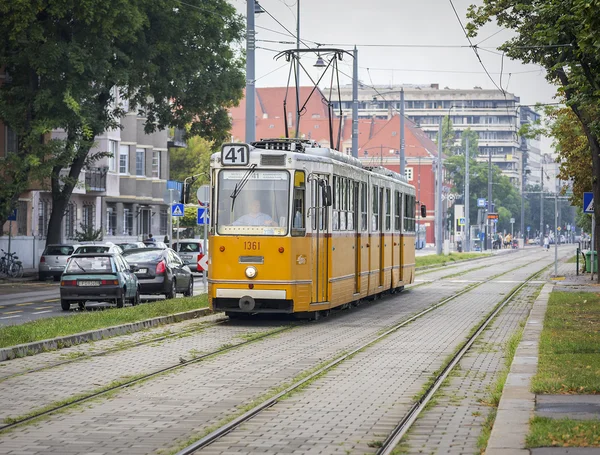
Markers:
{"x": 190, "y": 251}
{"x": 54, "y": 259}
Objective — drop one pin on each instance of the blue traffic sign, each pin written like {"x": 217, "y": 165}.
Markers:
{"x": 528, "y": 228}
{"x": 12, "y": 216}
{"x": 177, "y": 210}
{"x": 588, "y": 202}
{"x": 481, "y": 202}
{"x": 461, "y": 221}
{"x": 203, "y": 216}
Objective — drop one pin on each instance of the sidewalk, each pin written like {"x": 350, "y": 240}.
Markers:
{"x": 518, "y": 404}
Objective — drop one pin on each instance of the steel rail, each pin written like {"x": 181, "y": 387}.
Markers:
{"x": 228, "y": 427}
{"x": 144, "y": 377}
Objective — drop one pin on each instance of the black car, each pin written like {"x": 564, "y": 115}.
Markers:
{"x": 160, "y": 271}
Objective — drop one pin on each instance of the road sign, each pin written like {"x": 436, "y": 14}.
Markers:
{"x": 558, "y": 228}
{"x": 203, "y": 261}
{"x": 512, "y": 221}
{"x": 528, "y": 228}
{"x": 588, "y": 202}
{"x": 12, "y": 216}
{"x": 481, "y": 202}
{"x": 203, "y": 195}
{"x": 203, "y": 216}
{"x": 461, "y": 221}
{"x": 451, "y": 197}
{"x": 492, "y": 216}
{"x": 177, "y": 210}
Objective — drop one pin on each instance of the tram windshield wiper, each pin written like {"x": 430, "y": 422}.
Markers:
{"x": 240, "y": 185}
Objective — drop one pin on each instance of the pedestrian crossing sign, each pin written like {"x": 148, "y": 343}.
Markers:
{"x": 588, "y": 202}
{"x": 177, "y": 210}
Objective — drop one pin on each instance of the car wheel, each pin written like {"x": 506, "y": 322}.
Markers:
{"x": 173, "y": 292}
{"x": 136, "y": 298}
{"x": 190, "y": 289}
{"x": 121, "y": 301}
{"x": 65, "y": 305}
{"x": 82, "y": 306}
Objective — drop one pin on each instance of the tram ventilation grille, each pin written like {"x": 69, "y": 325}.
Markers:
{"x": 252, "y": 260}
{"x": 272, "y": 160}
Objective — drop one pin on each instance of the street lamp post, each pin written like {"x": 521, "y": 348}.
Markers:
{"x": 438, "y": 204}
{"x": 488, "y": 223}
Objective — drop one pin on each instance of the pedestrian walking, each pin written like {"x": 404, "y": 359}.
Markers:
{"x": 546, "y": 243}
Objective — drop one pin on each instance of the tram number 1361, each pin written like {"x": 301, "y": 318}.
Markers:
{"x": 252, "y": 245}
{"x": 235, "y": 154}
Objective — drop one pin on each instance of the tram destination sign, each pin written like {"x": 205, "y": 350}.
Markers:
{"x": 235, "y": 154}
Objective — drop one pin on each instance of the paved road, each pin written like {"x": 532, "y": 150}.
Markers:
{"x": 28, "y": 301}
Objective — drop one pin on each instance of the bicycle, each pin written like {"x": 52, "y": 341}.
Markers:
{"x": 10, "y": 265}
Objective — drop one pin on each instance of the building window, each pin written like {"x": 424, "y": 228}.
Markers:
{"x": 11, "y": 141}
{"x": 113, "y": 150}
{"x": 43, "y": 216}
{"x": 139, "y": 162}
{"x": 111, "y": 221}
{"x": 408, "y": 173}
{"x": 89, "y": 215}
{"x": 22, "y": 218}
{"x": 124, "y": 159}
{"x": 70, "y": 220}
{"x": 164, "y": 222}
{"x": 156, "y": 164}
{"x": 127, "y": 221}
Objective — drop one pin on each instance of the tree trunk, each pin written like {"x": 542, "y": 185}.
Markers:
{"x": 61, "y": 196}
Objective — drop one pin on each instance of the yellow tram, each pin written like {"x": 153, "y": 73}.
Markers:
{"x": 298, "y": 228}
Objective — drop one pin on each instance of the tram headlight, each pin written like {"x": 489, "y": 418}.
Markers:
{"x": 251, "y": 272}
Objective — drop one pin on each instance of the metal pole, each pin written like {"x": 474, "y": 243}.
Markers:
{"x": 542, "y": 208}
{"x": 9, "y": 234}
{"x": 204, "y": 273}
{"x": 555, "y": 234}
{"x": 593, "y": 262}
{"x": 467, "y": 198}
{"x": 354, "y": 103}
{"x": 402, "y": 164}
{"x": 438, "y": 199}
{"x": 420, "y": 203}
{"x": 488, "y": 223}
{"x": 298, "y": 71}
{"x": 250, "y": 73}
{"x": 523, "y": 206}
{"x": 178, "y": 247}
{"x": 171, "y": 217}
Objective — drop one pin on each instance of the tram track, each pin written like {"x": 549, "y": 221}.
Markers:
{"x": 268, "y": 403}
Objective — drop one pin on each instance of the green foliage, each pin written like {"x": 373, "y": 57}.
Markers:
{"x": 87, "y": 233}
{"x": 192, "y": 160}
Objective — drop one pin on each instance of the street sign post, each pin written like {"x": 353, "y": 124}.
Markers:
{"x": 203, "y": 195}
{"x": 481, "y": 202}
{"x": 588, "y": 202}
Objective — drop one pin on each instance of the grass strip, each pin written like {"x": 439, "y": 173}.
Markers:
{"x": 434, "y": 259}
{"x": 569, "y": 357}
{"x": 545, "y": 432}
{"x": 44, "y": 329}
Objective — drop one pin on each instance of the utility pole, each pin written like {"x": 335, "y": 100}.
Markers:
{"x": 354, "y": 103}
{"x": 523, "y": 204}
{"x": 488, "y": 222}
{"x": 556, "y": 234}
{"x": 250, "y": 73}
{"x": 439, "y": 237}
{"x": 402, "y": 170}
{"x": 467, "y": 196}
{"x": 298, "y": 71}
{"x": 542, "y": 208}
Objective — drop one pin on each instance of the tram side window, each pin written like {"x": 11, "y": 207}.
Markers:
{"x": 388, "y": 210}
{"x": 363, "y": 206}
{"x": 397, "y": 210}
{"x": 317, "y": 209}
{"x": 336, "y": 203}
{"x": 351, "y": 206}
{"x": 409, "y": 213}
{"x": 298, "y": 226}
{"x": 343, "y": 202}
{"x": 375, "y": 213}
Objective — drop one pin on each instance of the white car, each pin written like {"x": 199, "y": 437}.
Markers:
{"x": 98, "y": 248}
{"x": 190, "y": 251}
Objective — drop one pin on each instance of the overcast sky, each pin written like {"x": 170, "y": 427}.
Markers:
{"x": 395, "y": 22}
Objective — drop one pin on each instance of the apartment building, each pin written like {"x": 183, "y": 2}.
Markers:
{"x": 492, "y": 114}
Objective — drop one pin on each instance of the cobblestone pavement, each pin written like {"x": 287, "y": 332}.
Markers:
{"x": 354, "y": 407}
{"x": 175, "y": 406}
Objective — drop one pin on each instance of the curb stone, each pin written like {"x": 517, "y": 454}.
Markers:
{"x": 36, "y": 347}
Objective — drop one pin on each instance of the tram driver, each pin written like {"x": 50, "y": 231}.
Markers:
{"x": 255, "y": 217}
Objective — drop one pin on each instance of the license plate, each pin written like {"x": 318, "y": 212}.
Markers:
{"x": 142, "y": 271}
{"x": 88, "y": 283}
{"x": 186, "y": 256}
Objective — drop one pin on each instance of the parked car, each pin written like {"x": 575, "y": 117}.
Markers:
{"x": 161, "y": 271}
{"x": 100, "y": 277}
{"x": 190, "y": 250}
{"x": 54, "y": 259}
{"x": 160, "y": 245}
{"x": 98, "y": 248}
{"x": 131, "y": 245}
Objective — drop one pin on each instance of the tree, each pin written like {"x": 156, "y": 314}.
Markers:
{"x": 192, "y": 160}
{"x": 563, "y": 36}
{"x": 66, "y": 61}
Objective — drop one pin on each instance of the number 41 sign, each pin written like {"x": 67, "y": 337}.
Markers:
{"x": 235, "y": 154}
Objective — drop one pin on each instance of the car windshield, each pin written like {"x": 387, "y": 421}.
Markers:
{"x": 187, "y": 247}
{"x": 261, "y": 206}
{"x": 127, "y": 246}
{"x": 144, "y": 256}
{"x": 58, "y": 250}
{"x": 93, "y": 264}
{"x": 92, "y": 249}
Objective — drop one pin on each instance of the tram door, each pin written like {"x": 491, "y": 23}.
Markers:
{"x": 320, "y": 240}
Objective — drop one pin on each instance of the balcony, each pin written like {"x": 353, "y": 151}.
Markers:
{"x": 95, "y": 179}
{"x": 178, "y": 139}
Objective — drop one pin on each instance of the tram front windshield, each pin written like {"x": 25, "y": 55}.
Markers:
{"x": 260, "y": 202}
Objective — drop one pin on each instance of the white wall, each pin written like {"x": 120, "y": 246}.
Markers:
{"x": 28, "y": 249}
